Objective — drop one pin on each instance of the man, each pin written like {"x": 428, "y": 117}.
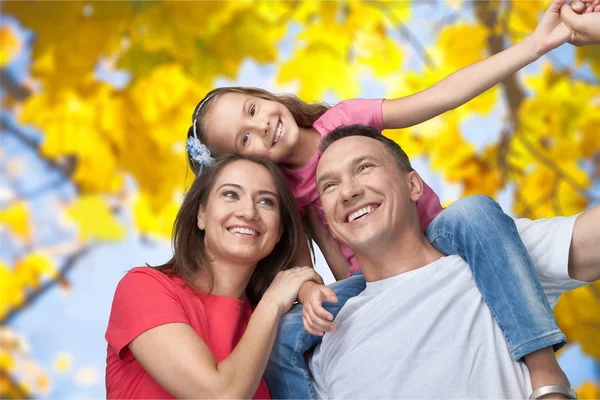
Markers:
{"x": 420, "y": 329}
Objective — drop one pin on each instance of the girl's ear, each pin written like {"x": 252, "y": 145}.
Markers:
{"x": 415, "y": 185}
{"x": 201, "y": 216}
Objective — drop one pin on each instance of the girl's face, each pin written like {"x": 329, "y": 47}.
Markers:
{"x": 241, "y": 219}
{"x": 244, "y": 124}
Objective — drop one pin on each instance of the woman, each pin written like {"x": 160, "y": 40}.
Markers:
{"x": 203, "y": 324}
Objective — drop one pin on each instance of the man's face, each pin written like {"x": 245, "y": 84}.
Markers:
{"x": 366, "y": 198}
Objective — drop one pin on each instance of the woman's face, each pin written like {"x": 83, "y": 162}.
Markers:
{"x": 244, "y": 124}
{"x": 241, "y": 219}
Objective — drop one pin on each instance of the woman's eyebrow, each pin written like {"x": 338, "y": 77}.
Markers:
{"x": 263, "y": 191}
{"x": 239, "y": 187}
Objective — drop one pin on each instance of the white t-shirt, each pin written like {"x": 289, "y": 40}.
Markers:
{"x": 428, "y": 333}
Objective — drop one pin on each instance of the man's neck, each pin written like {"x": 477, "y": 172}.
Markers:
{"x": 406, "y": 252}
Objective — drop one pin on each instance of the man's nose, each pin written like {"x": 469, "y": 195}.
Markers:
{"x": 351, "y": 189}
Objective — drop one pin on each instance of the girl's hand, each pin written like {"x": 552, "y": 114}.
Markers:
{"x": 283, "y": 291}
{"x": 315, "y": 318}
{"x": 585, "y": 28}
{"x": 551, "y": 32}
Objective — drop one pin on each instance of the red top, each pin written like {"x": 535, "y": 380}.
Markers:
{"x": 146, "y": 298}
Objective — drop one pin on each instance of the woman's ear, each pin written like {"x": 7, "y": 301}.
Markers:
{"x": 201, "y": 216}
{"x": 415, "y": 185}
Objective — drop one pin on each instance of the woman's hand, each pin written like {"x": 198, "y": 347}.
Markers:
{"x": 284, "y": 289}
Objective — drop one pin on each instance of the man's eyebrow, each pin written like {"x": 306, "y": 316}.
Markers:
{"x": 328, "y": 175}
{"x": 325, "y": 177}
{"x": 360, "y": 159}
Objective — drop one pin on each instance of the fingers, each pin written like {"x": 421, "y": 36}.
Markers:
{"x": 578, "y": 6}
{"x": 316, "y": 319}
{"x": 568, "y": 16}
{"x": 314, "y": 324}
{"x": 556, "y": 5}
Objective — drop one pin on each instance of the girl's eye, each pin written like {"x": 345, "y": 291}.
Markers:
{"x": 230, "y": 195}
{"x": 245, "y": 138}
{"x": 252, "y": 110}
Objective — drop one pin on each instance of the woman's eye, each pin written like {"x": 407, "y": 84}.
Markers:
{"x": 245, "y": 138}
{"x": 266, "y": 201}
{"x": 230, "y": 195}
{"x": 252, "y": 110}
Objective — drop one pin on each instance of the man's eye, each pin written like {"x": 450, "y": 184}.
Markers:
{"x": 252, "y": 110}
{"x": 327, "y": 186}
{"x": 364, "y": 167}
{"x": 245, "y": 138}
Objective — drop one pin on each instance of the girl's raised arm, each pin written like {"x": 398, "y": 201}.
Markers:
{"x": 467, "y": 83}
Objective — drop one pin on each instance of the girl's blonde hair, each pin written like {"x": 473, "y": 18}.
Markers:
{"x": 305, "y": 114}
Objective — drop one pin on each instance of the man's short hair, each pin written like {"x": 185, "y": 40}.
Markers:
{"x": 395, "y": 150}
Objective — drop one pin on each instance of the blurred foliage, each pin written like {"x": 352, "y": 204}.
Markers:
{"x": 98, "y": 136}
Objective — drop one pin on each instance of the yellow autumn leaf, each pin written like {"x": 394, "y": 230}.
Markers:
{"x": 16, "y": 218}
{"x": 11, "y": 44}
{"x": 463, "y": 44}
{"x": 95, "y": 219}
{"x": 33, "y": 268}
{"x": 577, "y": 315}
{"x": 588, "y": 390}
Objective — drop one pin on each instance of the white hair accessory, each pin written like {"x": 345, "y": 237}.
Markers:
{"x": 198, "y": 151}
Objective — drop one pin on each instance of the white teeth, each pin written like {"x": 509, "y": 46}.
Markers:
{"x": 360, "y": 213}
{"x": 278, "y": 133}
{"x": 244, "y": 231}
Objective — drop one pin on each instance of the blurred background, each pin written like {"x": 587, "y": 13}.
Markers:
{"x": 96, "y": 101}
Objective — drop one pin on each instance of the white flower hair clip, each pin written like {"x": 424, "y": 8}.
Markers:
{"x": 199, "y": 153}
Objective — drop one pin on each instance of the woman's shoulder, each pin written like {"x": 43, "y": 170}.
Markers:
{"x": 147, "y": 276}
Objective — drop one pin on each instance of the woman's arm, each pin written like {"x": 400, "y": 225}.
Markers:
{"x": 469, "y": 82}
{"x": 181, "y": 362}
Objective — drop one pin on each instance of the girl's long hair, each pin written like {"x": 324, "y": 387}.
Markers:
{"x": 189, "y": 251}
{"x": 304, "y": 114}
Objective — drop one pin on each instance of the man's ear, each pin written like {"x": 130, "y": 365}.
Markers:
{"x": 415, "y": 185}
{"x": 201, "y": 216}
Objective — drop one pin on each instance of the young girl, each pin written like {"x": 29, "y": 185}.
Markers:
{"x": 288, "y": 131}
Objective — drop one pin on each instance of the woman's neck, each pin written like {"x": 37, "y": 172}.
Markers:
{"x": 229, "y": 279}
{"x": 306, "y": 148}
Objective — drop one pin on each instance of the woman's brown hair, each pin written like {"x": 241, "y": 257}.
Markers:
{"x": 189, "y": 250}
{"x": 304, "y": 114}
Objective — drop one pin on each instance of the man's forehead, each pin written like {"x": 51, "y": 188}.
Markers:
{"x": 348, "y": 150}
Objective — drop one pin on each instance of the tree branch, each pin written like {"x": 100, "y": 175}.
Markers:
{"x": 405, "y": 33}
{"x": 31, "y": 298}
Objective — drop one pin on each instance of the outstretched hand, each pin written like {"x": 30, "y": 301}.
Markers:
{"x": 551, "y": 31}
{"x": 582, "y": 18}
